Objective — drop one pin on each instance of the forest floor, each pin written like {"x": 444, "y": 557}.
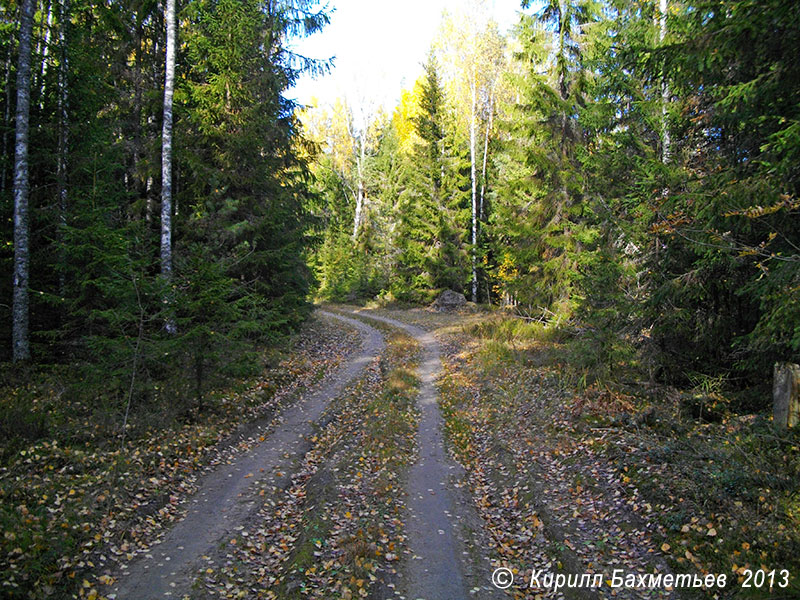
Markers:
{"x": 410, "y": 454}
{"x": 230, "y": 497}
{"x": 75, "y": 501}
{"x": 608, "y": 478}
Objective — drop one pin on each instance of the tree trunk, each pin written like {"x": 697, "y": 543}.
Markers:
{"x": 665, "y": 139}
{"x": 20, "y": 316}
{"x": 47, "y": 25}
{"x": 786, "y": 395}
{"x": 361, "y": 193}
{"x": 473, "y": 85}
{"x": 6, "y": 118}
{"x": 486, "y": 154}
{"x": 359, "y": 209}
{"x": 166, "y": 156}
{"x": 63, "y": 135}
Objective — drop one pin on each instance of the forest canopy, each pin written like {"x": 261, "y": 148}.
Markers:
{"x": 625, "y": 167}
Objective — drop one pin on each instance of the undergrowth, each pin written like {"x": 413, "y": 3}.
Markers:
{"x": 74, "y": 491}
{"x": 723, "y": 486}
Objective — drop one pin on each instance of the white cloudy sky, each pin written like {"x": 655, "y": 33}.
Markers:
{"x": 379, "y": 46}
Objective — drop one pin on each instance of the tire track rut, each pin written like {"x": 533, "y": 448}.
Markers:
{"x": 440, "y": 567}
{"x": 229, "y": 494}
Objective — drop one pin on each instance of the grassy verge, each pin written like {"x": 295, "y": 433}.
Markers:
{"x": 369, "y": 444}
{"x": 76, "y": 498}
{"x": 606, "y": 475}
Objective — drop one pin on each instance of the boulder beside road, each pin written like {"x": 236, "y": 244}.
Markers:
{"x": 449, "y": 301}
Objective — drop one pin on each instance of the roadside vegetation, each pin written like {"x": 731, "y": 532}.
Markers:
{"x": 576, "y": 472}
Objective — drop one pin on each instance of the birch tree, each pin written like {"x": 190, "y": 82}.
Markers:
{"x": 349, "y": 136}
{"x": 44, "y": 51}
{"x": 662, "y": 33}
{"x": 166, "y": 153}
{"x": 63, "y": 132}
{"x": 363, "y": 128}
{"x": 20, "y": 309}
{"x": 471, "y": 46}
{"x": 360, "y": 153}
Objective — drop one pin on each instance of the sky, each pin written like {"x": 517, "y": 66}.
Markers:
{"x": 379, "y": 47}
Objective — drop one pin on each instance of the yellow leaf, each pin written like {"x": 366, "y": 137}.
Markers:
{"x": 665, "y": 547}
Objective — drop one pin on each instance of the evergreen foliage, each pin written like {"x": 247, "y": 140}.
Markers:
{"x": 240, "y": 195}
{"x": 432, "y": 225}
{"x": 641, "y": 187}
{"x": 637, "y": 173}
{"x": 542, "y": 180}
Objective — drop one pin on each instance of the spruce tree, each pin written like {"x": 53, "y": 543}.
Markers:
{"x": 540, "y": 225}
{"x": 430, "y": 237}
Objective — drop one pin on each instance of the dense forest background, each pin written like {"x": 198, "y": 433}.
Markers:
{"x": 625, "y": 170}
{"x": 130, "y": 283}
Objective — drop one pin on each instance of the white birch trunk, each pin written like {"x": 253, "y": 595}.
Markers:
{"x": 20, "y": 316}
{"x": 359, "y": 209}
{"x": 473, "y": 90}
{"x": 63, "y": 133}
{"x": 665, "y": 138}
{"x": 166, "y": 155}
{"x": 48, "y": 26}
{"x": 486, "y": 153}
{"x": 361, "y": 192}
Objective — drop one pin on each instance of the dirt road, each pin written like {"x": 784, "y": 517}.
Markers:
{"x": 441, "y": 514}
{"x": 441, "y": 521}
{"x": 228, "y": 495}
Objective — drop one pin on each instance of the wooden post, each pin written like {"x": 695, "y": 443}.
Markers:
{"x": 786, "y": 395}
